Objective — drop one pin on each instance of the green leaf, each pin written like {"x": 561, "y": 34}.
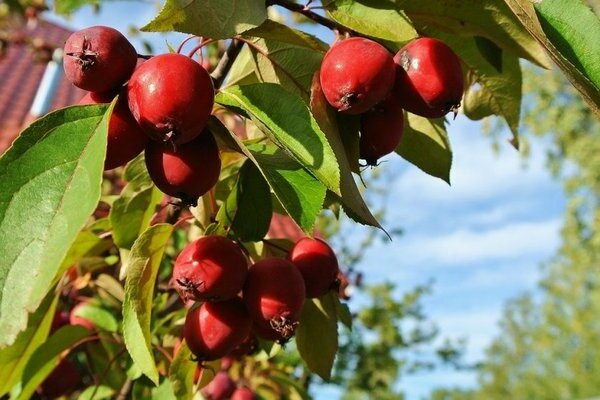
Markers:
{"x": 217, "y": 19}
{"x": 14, "y": 358}
{"x": 50, "y": 180}
{"x": 275, "y": 31}
{"x": 491, "y": 19}
{"x": 317, "y": 337}
{"x": 376, "y": 18}
{"x": 247, "y": 211}
{"x": 243, "y": 70}
{"x": 343, "y": 312}
{"x": 142, "y": 269}
{"x": 47, "y": 356}
{"x": 67, "y": 7}
{"x": 528, "y": 15}
{"x": 299, "y": 192}
{"x": 137, "y": 175}
{"x": 351, "y": 198}
{"x": 288, "y": 65}
{"x": 492, "y": 92}
{"x": 164, "y": 391}
{"x": 296, "y": 189}
{"x": 181, "y": 373}
{"x": 425, "y": 144}
{"x": 97, "y": 393}
{"x": 101, "y": 318}
{"x": 289, "y": 122}
{"x": 131, "y": 215}
{"x": 86, "y": 244}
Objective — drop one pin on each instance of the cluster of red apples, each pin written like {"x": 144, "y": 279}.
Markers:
{"x": 360, "y": 76}
{"x": 214, "y": 270}
{"x": 163, "y": 108}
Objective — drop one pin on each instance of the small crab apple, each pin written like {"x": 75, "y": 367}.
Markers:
{"x": 274, "y": 294}
{"x": 212, "y": 268}
{"x": 317, "y": 264}
{"x": 98, "y": 59}
{"x": 213, "y": 330}
{"x": 186, "y": 172}
{"x": 76, "y": 319}
{"x": 61, "y": 381}
{"x": 243, "y": 393}
{"x": 429, "y": 79}
{"x": 221, "y": 387}
{"x": 381, "y": 129}
{"x": 356, "y": 74}
{"x": 126, "y": 139}
{"x": 171, "y": 96}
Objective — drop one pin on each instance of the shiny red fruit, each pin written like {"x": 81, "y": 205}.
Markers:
{"x": 61, "y": 381}
{"x": 274, "y": 294}
{"x": 186, "y": 172}
{"x": 356, "y": 74}
{"x": 171, "y": 96}
{"x": 212, "y": 268}
{"x": 317, "y": 264}
{"x": 98, "y": 59}
{"x": 429, "y": 79}
{"x": 243, "y": 393}
{"x": 220, "y": 388}
{"x": 381, "y": 129}
{"x": 126, "y": 139}
{"x": 213, "y": 330}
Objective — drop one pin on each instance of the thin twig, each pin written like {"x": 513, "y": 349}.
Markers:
{"x": 222, "y": 69}
{"x": 125, "y": 389}
{"x": 319, "y": 19}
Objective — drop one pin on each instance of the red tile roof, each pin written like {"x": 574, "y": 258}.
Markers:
{"x": 284, "y": 227}
{"x": 20, "y": 76}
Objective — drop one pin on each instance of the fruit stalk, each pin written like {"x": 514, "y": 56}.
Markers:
{"x": 224, "y": 65}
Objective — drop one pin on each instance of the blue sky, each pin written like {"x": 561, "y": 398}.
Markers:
{"x": 482, "y": 240}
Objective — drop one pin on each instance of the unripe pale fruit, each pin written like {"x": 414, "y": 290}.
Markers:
{"x": 221, "y": 387}
{"x": 126, "y": 139}
{"x": 356, "y": 74}
{"x": 171, "y": 96}
{"x": 186, "y": 172}
{"x": 429, "y": 79}
{"x": 274, "y": 294}
{"x": 75, "y": 319}
{"x": 243, "y": 393}
{"x": 98, "y": 59}
{"x": 213, "y": 330}
{"x": 317, "y": 264}
{"x": 381, "y": 129}
{"x": 61, "y": 381}
{"x": 212, "y": 268}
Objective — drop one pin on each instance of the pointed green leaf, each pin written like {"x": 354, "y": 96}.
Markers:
{"x": 299, "y": 192}
{"x": 100, "y": 317}
{"x": 290, "y": 123}
{"x": 491, "y": 19}
{"x": 50, "y": 180}
{"x": 142, "y": 269}
{"x": 130, "y": 215}
{"x": 217, "y": 19}
{"x": 527, "y": 14}
{"x": 317, "y": 337}
{"x": 296, "y": 189}
{"x": 47, "y": 356}
{"x": 14, "y": 358}
{"x": 275, "y": 31}
{"x": 376, "y": 18}
{"x": 181, "y": 373}
{"x": 425, "y": 144}
{"x": 240, "y": 213}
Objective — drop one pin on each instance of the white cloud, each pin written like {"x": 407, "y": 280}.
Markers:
{"x": 467, "y": 245}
